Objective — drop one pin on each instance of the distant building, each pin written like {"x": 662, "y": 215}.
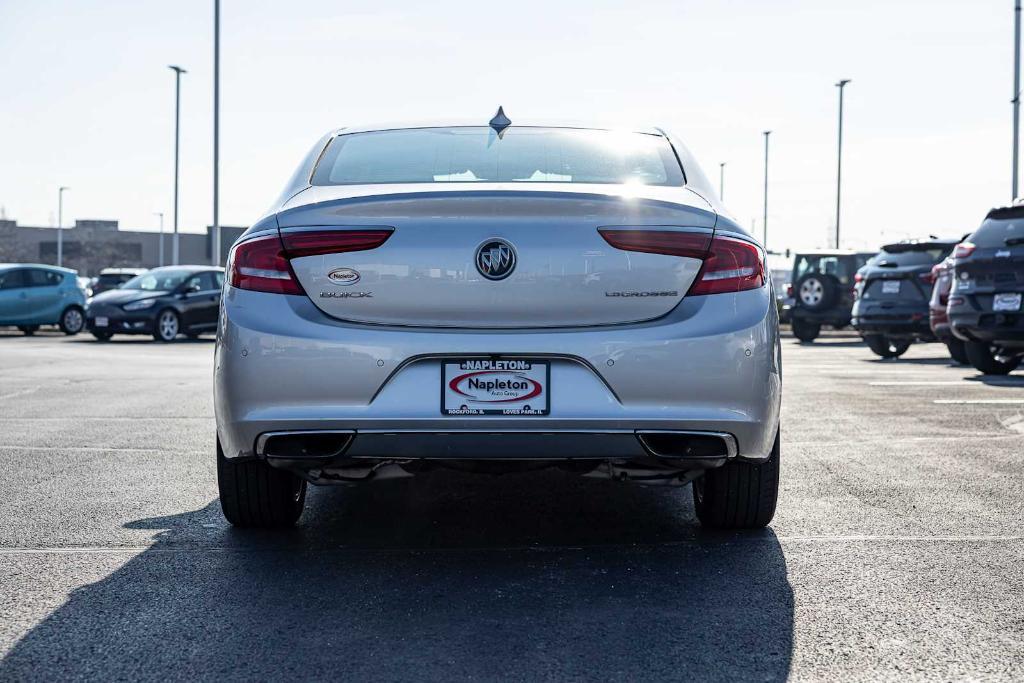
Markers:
{"x": 92, "y": 245}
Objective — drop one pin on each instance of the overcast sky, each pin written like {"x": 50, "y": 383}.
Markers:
{"x": 86, "y": 99}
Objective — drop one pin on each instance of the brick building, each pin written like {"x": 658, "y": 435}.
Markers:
{"x": 95, "y": 244}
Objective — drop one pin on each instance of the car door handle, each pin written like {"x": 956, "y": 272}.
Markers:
{"x": 23, "y": 295}
{"x": 214, "y": 297}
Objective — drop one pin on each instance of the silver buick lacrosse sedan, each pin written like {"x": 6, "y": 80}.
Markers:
{"x": 498, "y": 297}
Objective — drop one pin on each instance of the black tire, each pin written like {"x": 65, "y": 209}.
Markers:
{"x": 102, "y": 336}
{"x": 738, "y": 495}
{"x": 806, "y": 331}
{"x": 28, "y": 330}
{"x": 165, "y": 333}
{"x": 885, "y": 347}
{"x": 72, "y": 320}
{"x": 983, "y": 358}
{"x": 254, "y": 494}
{"x": 957, "y": 351}
{"x": 816, "y": 291}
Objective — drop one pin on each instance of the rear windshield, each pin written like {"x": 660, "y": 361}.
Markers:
{"x": 841, "y": 267}
{"x": 109, "y": 279}
{"x": 916, "y": 257}
{"x": 159, "y": 280}
{"x": 996, "y": 233}
{"x": 479, "y": 155}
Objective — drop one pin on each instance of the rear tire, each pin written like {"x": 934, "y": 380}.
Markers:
{"x": 885, "y": 347}
{"x": 805, "y": 331}
{"x": 957, "y": 351}
{"x": 983, "y": 358}
{"x": 738, "y": 495}
{"x": 254, "y": 494}
{"x": 72, "y": 320}
{"x": 28, "y": 330}
{"x": 102, "y": 336}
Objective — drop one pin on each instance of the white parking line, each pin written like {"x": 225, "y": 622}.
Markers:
{"x": 980, "y": 401}
{"x": 949, "y": 383}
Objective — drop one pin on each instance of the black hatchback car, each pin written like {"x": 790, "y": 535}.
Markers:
{"x": 163, "y": 302}
{"x": 985, "y": 307}
{"x": 893, "y": 290}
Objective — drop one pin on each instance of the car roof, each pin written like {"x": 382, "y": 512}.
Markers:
{"x": 482, "y": 122}
{"x": 832, "y": 252}
{"x": 121, "y": 271}
{"x": 186, "y": 267}
{"x": 10, "y": 266}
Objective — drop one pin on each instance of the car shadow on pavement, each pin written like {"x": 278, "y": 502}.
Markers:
{"x": 538, "y": 576}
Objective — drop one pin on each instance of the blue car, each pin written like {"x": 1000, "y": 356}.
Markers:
{"x": 32, "y": 295}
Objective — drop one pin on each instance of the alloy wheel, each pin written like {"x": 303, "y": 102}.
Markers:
{"x": 167, "y": 325}
{"x": 73, "y": 321}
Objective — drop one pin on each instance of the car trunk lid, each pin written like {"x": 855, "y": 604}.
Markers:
{"x": 431, "y": 270}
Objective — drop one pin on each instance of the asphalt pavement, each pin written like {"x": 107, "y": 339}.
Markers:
{"x": 897, "y": 551}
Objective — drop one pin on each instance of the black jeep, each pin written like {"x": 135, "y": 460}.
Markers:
{"x": 893, "y": 290}
{"x": 822, "y": 290}
{"x": 988, "y": 284}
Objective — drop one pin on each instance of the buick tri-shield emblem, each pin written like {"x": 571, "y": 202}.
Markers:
{"x": 495, "y": 259}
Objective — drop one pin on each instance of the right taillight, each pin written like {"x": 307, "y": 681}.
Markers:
{"x": 963, "y": 250}
{"x": 731, "y": 265}
{"x": 260, "y": 265}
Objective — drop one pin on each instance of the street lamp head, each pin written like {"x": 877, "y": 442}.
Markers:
{"x": 767, "y": 133}
{"x": 177, "y": 69}
{"x": 63, "y": 188}
{"x": 843, "y": 82}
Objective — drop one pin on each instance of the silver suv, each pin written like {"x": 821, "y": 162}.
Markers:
{"x": 497, "y": 298}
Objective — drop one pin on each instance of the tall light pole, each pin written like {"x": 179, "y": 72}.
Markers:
{"x": 216, "y": 132}
{"x": 766, "y": 134}
{"x": 178, "y": 71}
{"x": 60, "y": 226}
{"x": 1016, "y": 93}
{"x": 161, "y": 249}
{"x": 839, "y": 164}
{"x": 721, "y": 181}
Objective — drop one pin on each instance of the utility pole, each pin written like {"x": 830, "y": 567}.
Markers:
{"x": 1016, "y": 93}
{"x": 216, "y": 132}
{"x": 178, "y": 71}
{"x": 721, "y": 181}
{"x": 161, "y": 214}
{"x": 839, "y": 165}
{"x": 765, "y": 224}
{"x": 60, "y": 226}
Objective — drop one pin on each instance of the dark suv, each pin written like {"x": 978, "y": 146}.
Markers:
{"x": 988, "y": 285}
{"x": 893, "y": 290}
{"x": 822, "y": 290}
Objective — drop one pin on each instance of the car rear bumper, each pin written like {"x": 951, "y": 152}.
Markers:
{"x": 988, "y": 327}
{"x": 893, "y": 319}
{"x": 710, "y": 366}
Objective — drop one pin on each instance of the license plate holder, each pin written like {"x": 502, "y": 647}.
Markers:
{"x": 101, "y": 321}
{"x": 495, "y": 386}
{"x": 890, "y": 286}
{"x": 1009, "y": 301}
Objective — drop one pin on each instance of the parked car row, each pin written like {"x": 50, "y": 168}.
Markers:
{"x": 964, "y": 293}
{"x": 162, "y": 302}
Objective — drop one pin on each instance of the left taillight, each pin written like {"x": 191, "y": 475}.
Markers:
{"x": 261, "y": 265}
{"x": 319, "y": 242}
